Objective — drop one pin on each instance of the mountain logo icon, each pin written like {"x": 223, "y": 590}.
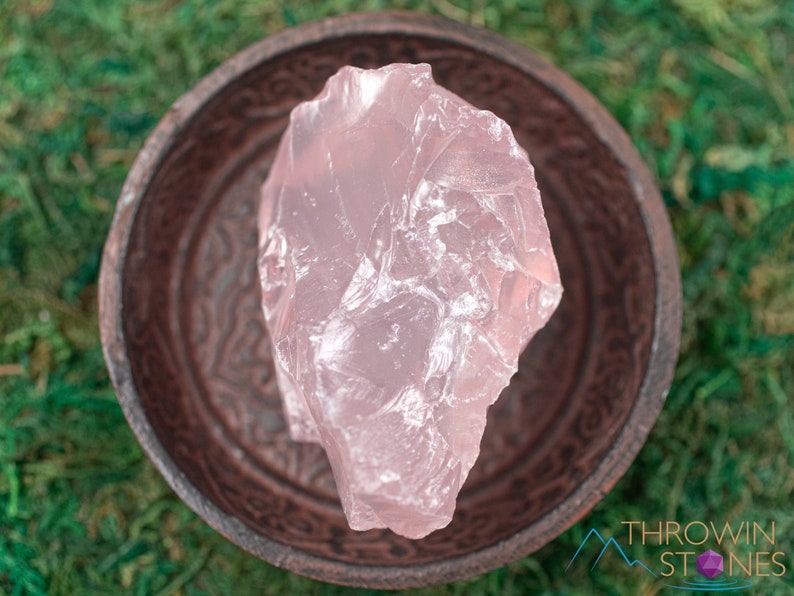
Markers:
{"x": 610, "y": 545}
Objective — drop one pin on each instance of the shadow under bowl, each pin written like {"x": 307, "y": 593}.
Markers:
{"x": 188, "y": 353}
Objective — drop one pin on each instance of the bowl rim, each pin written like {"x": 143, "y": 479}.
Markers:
{"x": 667, "y": 318}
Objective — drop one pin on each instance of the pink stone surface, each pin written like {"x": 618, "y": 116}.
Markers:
{"x": 405, "y": 263}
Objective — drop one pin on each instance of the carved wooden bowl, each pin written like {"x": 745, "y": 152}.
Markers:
{"x": 188, "y": 353}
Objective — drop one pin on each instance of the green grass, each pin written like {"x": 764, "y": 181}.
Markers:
{"x": 704, "y": 88}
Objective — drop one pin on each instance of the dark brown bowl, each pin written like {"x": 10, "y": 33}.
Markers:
{"x": 188, "y": 353}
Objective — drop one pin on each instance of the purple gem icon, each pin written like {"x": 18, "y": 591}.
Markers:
{"x": 710, "y": 564}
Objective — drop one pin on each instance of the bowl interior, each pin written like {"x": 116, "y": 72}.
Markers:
{"x": 199, "y": 355}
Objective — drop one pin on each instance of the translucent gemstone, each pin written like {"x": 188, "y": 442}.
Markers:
{"x": 405, "y": 263}
{"x": 709, "y": 564}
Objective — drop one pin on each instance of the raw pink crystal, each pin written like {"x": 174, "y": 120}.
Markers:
{"x": 405, "y": 263}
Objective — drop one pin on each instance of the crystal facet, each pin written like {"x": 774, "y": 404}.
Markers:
{"x": 710, "y": 564}
{"x": 405, "y": 263}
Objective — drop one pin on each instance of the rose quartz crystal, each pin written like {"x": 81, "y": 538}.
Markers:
{"x": 405, "y": 263}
